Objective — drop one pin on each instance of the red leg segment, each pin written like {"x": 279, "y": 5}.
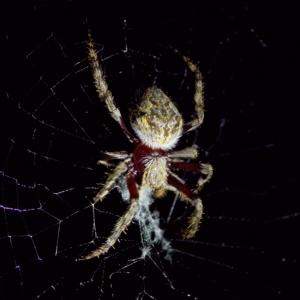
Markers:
{"x": 181, "y": 187}
{"x": 131, "y": 184}
{"x": 185, "y": 166}
{"x": 132, "y": 138}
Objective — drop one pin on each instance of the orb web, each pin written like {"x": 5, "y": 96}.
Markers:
{"x": 54, "y": 127}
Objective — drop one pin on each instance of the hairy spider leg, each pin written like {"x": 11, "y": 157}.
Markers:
{"x": 110, "y": 183}
{"x": 104, "y": 93}
{"x": 205, "y": 169}
{"x": 105, "y": 157}
{"x": 123, "y": 222}
{"x": 198, "y": 95}
{"x": 189, "y": 152}
{"x": 176, "y": 185}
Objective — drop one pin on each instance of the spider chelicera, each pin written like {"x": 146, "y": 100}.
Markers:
{"x": 158, "y": 125}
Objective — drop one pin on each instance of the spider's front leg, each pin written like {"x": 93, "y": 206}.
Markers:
{"x": 110, "y": 183}
{"x": 123, "y": 222}
{"x": 190, "y": 152}
{"x": 177, "y": 185}
{"x": 205, "y": 169}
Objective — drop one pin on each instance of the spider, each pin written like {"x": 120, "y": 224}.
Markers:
{"x": 158, "y": 125}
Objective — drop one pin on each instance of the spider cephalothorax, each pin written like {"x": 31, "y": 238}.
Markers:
{"x": 158, "y": 126}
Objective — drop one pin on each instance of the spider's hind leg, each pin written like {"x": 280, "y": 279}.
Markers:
{"x": 198, "y": 95}
{"x": 104, "y": 93}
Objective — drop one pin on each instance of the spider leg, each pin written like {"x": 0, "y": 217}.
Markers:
{"x": 122, "y": 223}
{"x": 103, "y": 92}
{"x": 105, "y": 157}
{"x": 198, "y": 96}
{"x": 205, "y": 169}
{"x": 110, "y": 183}
{"x": 183, "y": 165}
{"x": 177, "y": 185}
{"x": 190, "y": 152}
{"x": 120, "y": 226}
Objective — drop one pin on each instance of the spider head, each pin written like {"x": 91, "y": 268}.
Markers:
{"x": 157, "y": 121}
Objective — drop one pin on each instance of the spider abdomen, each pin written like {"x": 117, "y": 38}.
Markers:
{"x": 157, "y": 121}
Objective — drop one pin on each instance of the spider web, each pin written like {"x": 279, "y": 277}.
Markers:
{"x": 54, "y": 127}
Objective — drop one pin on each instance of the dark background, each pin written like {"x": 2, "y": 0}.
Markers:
{"x": 247, "y": 247}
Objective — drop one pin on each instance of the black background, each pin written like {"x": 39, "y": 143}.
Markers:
{"x": 248, "y": 245}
